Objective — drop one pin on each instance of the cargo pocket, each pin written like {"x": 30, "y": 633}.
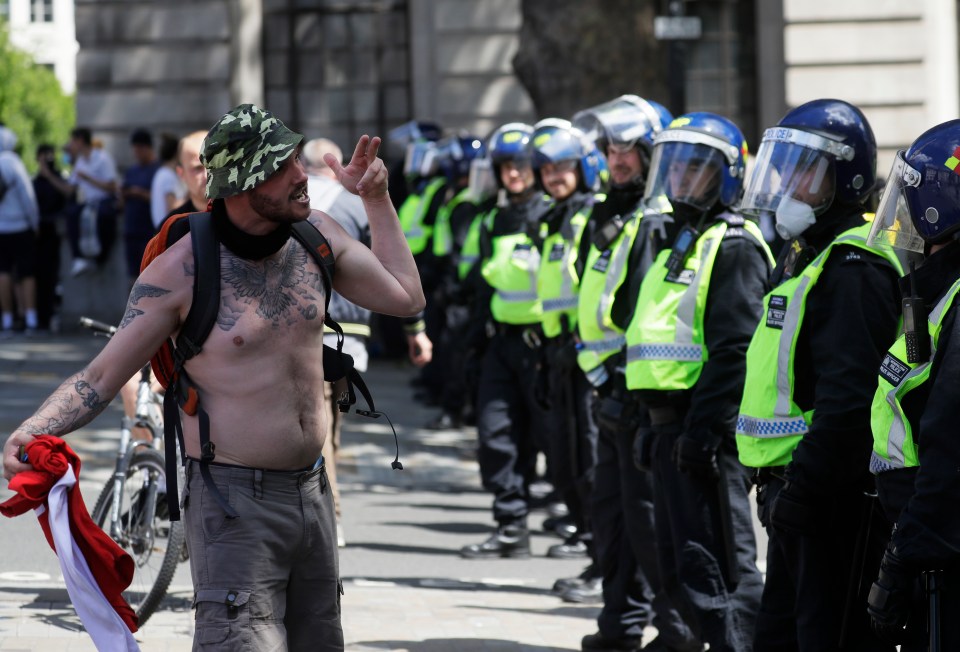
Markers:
{"x": 213, "y": 519}
{"x": 217, "y": 612}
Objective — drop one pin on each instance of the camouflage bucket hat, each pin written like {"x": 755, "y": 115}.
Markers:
{"x": 244, "y": 148}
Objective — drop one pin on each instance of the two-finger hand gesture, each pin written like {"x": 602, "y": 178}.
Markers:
{"x": 365, "y": 175}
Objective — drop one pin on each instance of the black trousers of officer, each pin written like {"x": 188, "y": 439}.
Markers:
{"x": 894, "y": 489}
{"x": 572, "y": 455}
{"x": 450, "y": 356}
{"x": 805, "y": 594}
{"x": 511, "y": 425}
{"x": 691, "y": 549}
{"x": 625, "y": 544}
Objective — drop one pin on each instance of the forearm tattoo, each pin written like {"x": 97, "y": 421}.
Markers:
{"x": 140, "y": 291}
{"x": 73, "y": 405}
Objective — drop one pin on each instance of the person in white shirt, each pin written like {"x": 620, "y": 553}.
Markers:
{"x": 93, "y": 187}
{"x": 166, "y": 191}
{"x": 19, "y": 222}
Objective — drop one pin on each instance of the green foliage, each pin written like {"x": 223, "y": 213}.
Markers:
{"x": 32, "y": 104}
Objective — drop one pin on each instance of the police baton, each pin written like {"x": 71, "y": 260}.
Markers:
{"x": 860, "y": 553}
{"x": 932, "y": 580}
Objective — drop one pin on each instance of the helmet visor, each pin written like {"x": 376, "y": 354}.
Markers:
{"x": 685, "y": 173}
{"x": 482, "y": 183}
{"x": 795, "y": 164}
{"x": 893, "y": 225}
{"x": 621, "y": 122}
{"x": 421, "y": 159}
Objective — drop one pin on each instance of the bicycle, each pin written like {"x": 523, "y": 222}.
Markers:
{"x": 132, "y": 507}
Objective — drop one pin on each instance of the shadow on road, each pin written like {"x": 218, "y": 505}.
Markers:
{"x": 448, "y": 644}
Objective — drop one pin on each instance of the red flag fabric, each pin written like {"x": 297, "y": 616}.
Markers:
{"x": 112, "y": 568}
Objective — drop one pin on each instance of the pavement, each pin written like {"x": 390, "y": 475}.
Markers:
{"x": 406, "y": 588}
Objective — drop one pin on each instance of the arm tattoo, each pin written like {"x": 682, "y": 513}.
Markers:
{"x": 141, "y": 290}
{"x": 73, "y": 405}
{"x": 130, "y": 315}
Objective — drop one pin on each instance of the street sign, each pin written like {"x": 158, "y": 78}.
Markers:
{"x": 676, "y": 28}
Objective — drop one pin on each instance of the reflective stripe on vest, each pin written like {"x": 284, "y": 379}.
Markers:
{"x": 771, "y": 424}
{"x": 470, "y": 253}
{"x": 511, "y": 271}
{"x": 603, "y": 274}
{"x": 894, "y": 446}
{"x": 665, "y": 339}
{"x": 442, "y": 229}
{"x": 412, "y": 213}
{"x": 557, "y": 282}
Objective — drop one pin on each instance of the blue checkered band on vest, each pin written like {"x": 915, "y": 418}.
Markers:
{"x": 690, "y": 352}
{"x": 771, "y": 427}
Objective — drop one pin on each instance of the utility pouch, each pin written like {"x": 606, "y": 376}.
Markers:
{"x": 607, "y": 233}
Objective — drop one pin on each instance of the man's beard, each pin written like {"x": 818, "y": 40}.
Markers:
{"x": 274, "y": 210}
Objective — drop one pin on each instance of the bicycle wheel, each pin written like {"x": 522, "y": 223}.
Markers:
{"x": 146, "y": 532}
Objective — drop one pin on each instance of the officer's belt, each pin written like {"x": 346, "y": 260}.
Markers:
{"x": 357, "y": 330}
{"x": 766, "y": 474}
{"x": 660, "y": 416}
{"x": 531, "y": 334}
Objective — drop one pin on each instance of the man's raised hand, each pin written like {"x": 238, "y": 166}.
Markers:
{"x": 365, "y": 174}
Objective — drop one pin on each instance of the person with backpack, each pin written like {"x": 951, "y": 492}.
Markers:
{"x": 259, "y": 519}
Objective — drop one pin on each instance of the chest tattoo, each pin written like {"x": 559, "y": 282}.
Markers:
{"x": 280, "y": 289}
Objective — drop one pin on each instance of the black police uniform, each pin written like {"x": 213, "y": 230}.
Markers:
{"x": 691, "y": 549}
{"x": 511, "y": 424}
{"x": 850, "y": 321}
{"x": 622, "y": 495}
{"x": 923, "y": 500}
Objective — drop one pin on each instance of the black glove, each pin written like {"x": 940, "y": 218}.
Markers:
{"x": 890, "y": 597}
{"x": 563, "y": 358}
{"x": 643, "y": 448}
{"x": 697, "y": 457}
{"x": 796, "y": 511}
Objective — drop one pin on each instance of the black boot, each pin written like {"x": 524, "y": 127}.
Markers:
{"x": 565, "y": 583}
{"x": 591, "y": 591}
{"x": 508, "y": 541}
{"x": 592, "y": 642}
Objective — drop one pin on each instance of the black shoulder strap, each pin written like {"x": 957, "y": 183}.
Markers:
{"x": 206, "y": 288}
{"x": 317, "y": 244}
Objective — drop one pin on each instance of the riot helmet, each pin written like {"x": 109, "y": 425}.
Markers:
{"x": 421, "y": 160}
{"x": 510, "y": 143}
{"x": 455, "y": 154}
{"x": 557, "y": 143}
{"x": 920, "y": 204}
{"x": 626, "y": 123}
{"x": 697, "y": 165}
{"x": 821, "y": 154}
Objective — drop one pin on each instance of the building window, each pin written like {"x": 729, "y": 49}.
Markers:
{"x": 41, "y": 11}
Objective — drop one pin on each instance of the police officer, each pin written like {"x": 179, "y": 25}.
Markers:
{"x": 460, "y": 207}
{"x": 508, "y": 415}
{"x": 914, "y": 413}
{"x": 804, "y": 419}
{"x": 698, "y": 306}
{"x": 619, "y": 245}
{"x": 570, "y": 169}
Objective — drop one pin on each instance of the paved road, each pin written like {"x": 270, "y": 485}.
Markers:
{"x": 406, "y": 589}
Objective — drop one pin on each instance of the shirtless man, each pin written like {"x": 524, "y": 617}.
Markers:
{"x": 268, "y": 579}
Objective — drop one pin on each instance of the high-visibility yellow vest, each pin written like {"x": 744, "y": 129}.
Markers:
{"x": 603, "y": 274}
{"x": 771, "y": 424}
{"x": 442, "y": 229}
{"x": 894, "y": 446}
{"x": 470, "y": 252}
{"x": 412, "y": 213}
{"x": 665, "y": 338}
{"x": 511, "y": 270}
{"x": 558, "y": 282}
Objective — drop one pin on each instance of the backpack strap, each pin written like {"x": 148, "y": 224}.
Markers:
{"x": 181, "y": 393}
